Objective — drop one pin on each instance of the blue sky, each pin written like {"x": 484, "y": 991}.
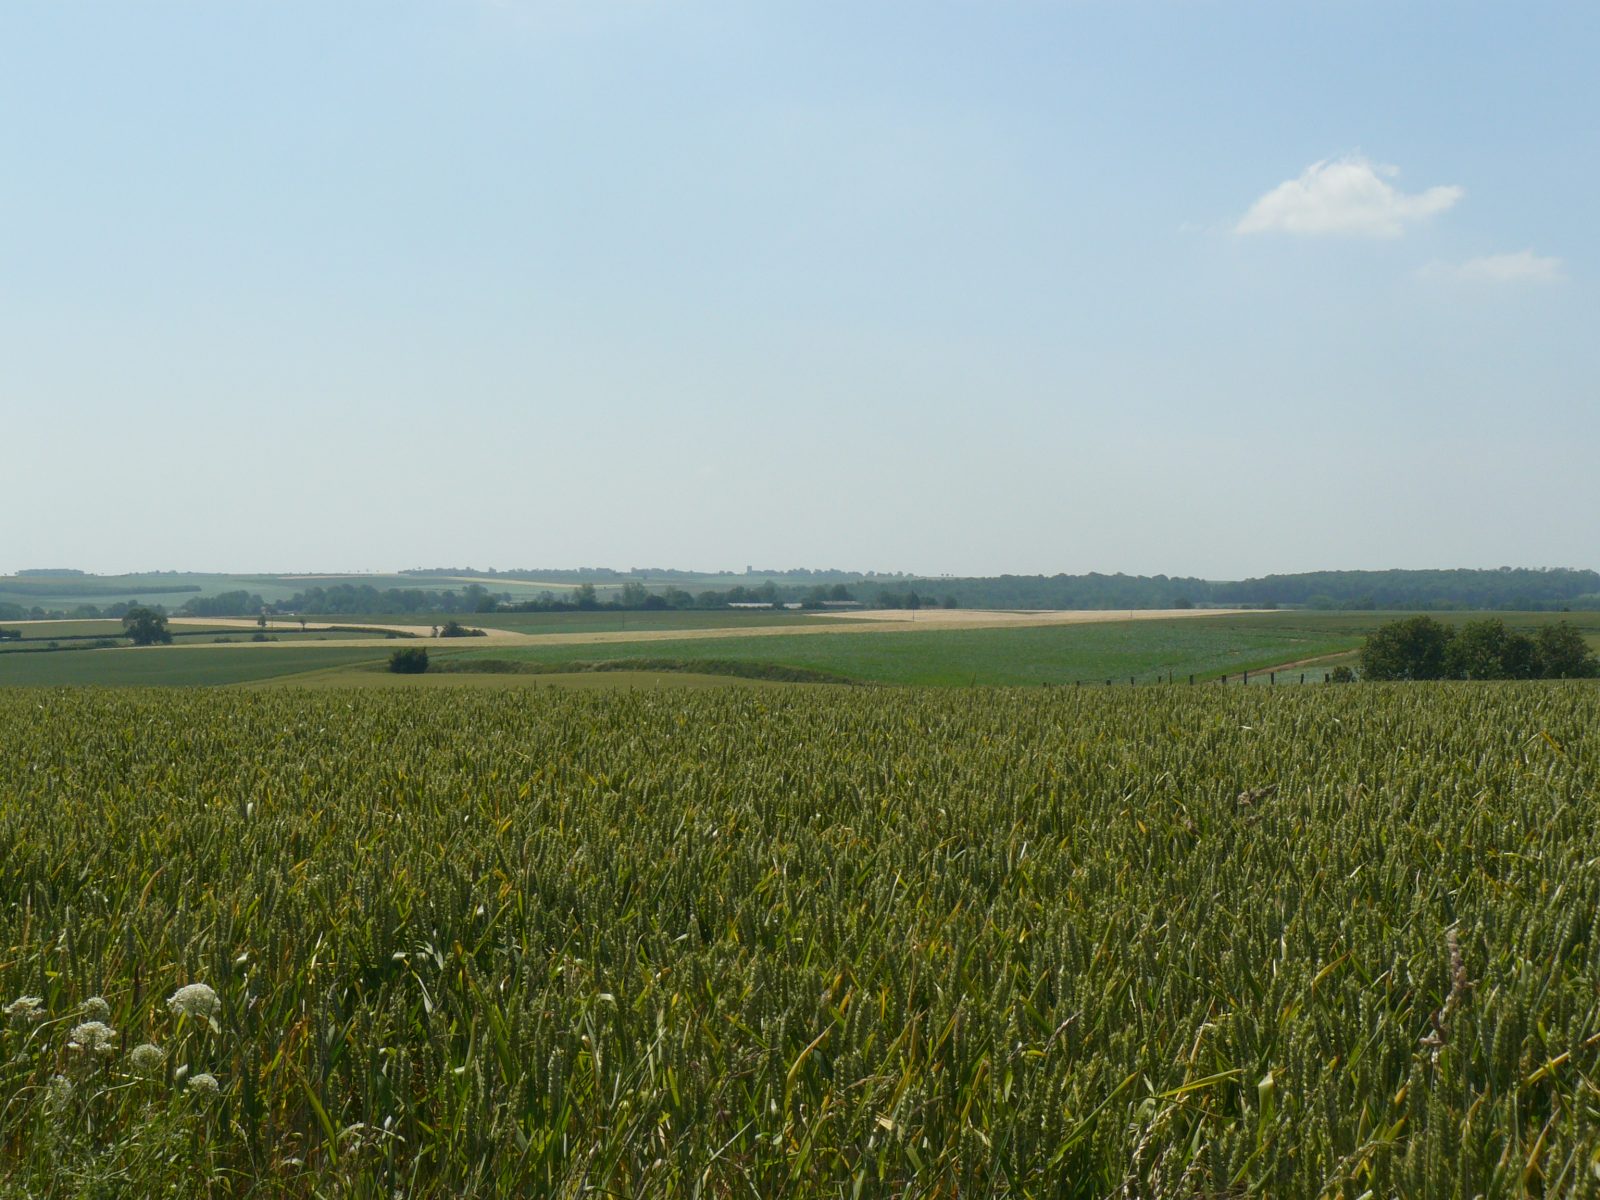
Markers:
{"x": 1187, "y": 287}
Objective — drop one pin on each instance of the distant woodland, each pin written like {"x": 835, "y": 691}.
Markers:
{"x": 1505, "y": 589}
{"x": 1508, "y": 589}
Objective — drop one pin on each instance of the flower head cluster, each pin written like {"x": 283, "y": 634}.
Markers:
{"x": 95, "y": 1008}
{"x": 93, "y": 1037}
{"x": 204, "y": 1084}
{"x": 146, "y": 1058}
{"x": 199, "y": 1001}
{"x": 25, "y": 1009}
{"x": 59, "y": 1092}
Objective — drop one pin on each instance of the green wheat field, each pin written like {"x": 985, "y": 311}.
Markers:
{"x": 815, "y": 942}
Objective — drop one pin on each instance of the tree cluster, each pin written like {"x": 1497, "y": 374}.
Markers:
{"x": 78, "y": 612}
{"x": 146, "y": 627}
{"x": 225, "y": 604}
{"x": 635, "y": 597}
{"x": 347, "y": 599}
{"x": 1423, "y": 648}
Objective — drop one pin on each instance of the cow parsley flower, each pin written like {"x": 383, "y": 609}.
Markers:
{"x": 204, "y": 1084}
{"x": 199, "y": 1001}
{"x": 93, "y": 1037}
{"x": 95, "y": 1008}
{"x": 58, "y": 1093}
{"x": 146, "y": 1059}
{"x": 25, "y": 1008}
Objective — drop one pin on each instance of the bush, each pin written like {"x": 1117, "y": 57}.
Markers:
{"x": 413, "y": 660}
{"x": 1488, "y": 650}
{"x": 1414, "y": 648}
{"x": 1561, "y": 653}
{"x": 457, "y": 629}
{"x": 1341, "y": 675}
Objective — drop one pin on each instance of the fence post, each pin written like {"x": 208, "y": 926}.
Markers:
{"x": 1224, "y": 678}
{"x": 1302, "y": 676}
{"x": 1191, "y": 681}
{"x": 1247, "y": 676}
{"x": 1272, "y": 678}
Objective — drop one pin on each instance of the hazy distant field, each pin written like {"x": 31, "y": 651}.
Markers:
{"x": 1117, "y": 651}
{"x": 177, "y": 666}
{"x": 38, "y": 633}
{"x": 1143, "y": 650}
{"x": 602, "y": 622}
{"x": 172, "y": 590}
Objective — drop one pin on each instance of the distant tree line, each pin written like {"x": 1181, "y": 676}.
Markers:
{"x": 1505, "y": 589}
{"x": 635, "y": 597}
{"x": 224, "y": 604}
{"x": 1423, "y": 648}
{"x": 78, "y": 612}
{"x": 612, "y": 575}
{"x": 1510, "y": 589}
{"x": 344, "y": 599}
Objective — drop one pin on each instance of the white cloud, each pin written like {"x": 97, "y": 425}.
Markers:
{"x": 1348, "y": 195}
{"x": 1522, "y": 267}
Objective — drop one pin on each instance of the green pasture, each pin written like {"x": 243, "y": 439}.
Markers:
{"x": 68, "y": 591}
{"x": 170, "y": 590}
{"x": 177, "y": 666}
{"x": 40, "y": 632}
{"x": 598, "y": 621}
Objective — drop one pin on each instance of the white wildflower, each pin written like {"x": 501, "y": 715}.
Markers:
{"x": 204, "y": 1084}
{"x": 95, "y": 1008}
{"x": 26, "y": 1008}
{"x": 146, "y": 1059}
{"x": 93, "y": 1037}
{"x": 59, "y": 1093}
{"x": 199, "y": 1001}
